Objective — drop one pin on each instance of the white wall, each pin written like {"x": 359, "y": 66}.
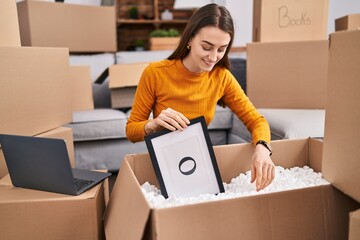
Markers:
{"x": 241, "y": 11}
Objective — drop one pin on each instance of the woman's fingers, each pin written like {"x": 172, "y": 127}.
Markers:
{"x": 173, "y": 120}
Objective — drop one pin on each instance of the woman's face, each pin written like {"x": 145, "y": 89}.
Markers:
{"x": 207, "y": 48}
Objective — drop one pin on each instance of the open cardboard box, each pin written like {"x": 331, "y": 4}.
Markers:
{"x": 288, "y": 74}
{"x": 288, "y": 20}
{"x": 311, "y": 213}
{"x": 123, "y": 80}
{"x": 320, "y": 212}
{"x": 31, "y": 214}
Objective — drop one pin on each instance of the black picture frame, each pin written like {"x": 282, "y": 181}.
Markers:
{"x": 184, "y": 161}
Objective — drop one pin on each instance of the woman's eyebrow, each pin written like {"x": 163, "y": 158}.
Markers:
{"x": 204, "y": 41}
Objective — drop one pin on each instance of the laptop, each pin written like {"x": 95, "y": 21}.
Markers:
{"x": 43, "y": 164}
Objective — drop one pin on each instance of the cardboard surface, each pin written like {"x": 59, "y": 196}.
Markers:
{"x": 341, "y": 153}
{"x": 9, "y": 25}
{"x": 61, "y": 132}
{"x": 349, "y": 22}
{"x": 77, "y": 27}
{"x": 123, "y": 79}
{"x": 35, "y": 90}
{"x": 312, "y": 213}
{"x": 354, "y": 231}
{"x": 287, "y": 74}
{"x": 288, "y": 20}
{"x": 82, "y": 88}
{"x": 31, "y": 214}
{"x": 164, "y": 43}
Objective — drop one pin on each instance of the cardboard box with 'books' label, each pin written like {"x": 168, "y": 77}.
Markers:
{"x": 290, "y": 20}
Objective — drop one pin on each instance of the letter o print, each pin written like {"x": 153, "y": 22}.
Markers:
{"x": 182, "y": 161}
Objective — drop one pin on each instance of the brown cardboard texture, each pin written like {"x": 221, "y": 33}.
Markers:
{"x": 354, "y": 230}
{"x": 82, "y": 88}
{"x": 61, "y": 132}
{"x": 77, "y": 27}
{"x": 123, "y": 80}
{"x": 341, "y": 149}
{"x": 311, "y": 213}
{"x": 349, "y": 22}
{"x": 289, "y": 20}
{"x": 31, "y": 214}
{"x": 9, "y": 25}
{"x": 35, "y": 89}
{"x": 287, "y": 74}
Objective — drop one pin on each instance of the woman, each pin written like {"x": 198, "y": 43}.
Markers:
{"x": 190, "y": 83}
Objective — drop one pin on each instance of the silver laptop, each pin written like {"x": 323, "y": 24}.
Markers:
{"x": 43, "y": 164}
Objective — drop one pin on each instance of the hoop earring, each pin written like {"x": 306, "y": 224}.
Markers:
{"x": 188, "y": 47}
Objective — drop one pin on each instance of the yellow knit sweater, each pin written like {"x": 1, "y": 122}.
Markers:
{"x": 168, "y": 83}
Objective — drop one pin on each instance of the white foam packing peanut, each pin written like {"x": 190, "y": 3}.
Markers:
{"x": 285, "y": 179}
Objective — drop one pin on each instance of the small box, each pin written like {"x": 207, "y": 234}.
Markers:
{"x": 289, "y": 20}
{"x": 316, "y": 213}
{"x": 123, "y": 80}
{"x": 349, "y": 22}
{"x": 77, "y": 27}
{"x": 82, "y": 88}
{"x": 9, "y": 25}
{"x": 60, "y": 132}
{"x": 288, "y": 74}
{"x": 31, "y": 214}
{"x": 354, "y": 230}
{"x": 341, "y": 152}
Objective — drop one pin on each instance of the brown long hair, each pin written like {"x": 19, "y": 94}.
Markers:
{"x": 208, "y": 15}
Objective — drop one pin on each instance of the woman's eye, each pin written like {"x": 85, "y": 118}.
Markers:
{"x": 207, "y": 48}
{"x": 221, "y": 49}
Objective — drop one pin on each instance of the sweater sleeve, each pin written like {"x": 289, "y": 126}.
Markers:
{"x": 235, "y": 98}
{"x": 142, "y": 106}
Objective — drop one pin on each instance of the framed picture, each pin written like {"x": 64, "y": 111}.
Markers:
{"x": 184, "y": 161}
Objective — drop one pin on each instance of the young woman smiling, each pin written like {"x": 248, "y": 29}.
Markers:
{"x": 190, "y": 83}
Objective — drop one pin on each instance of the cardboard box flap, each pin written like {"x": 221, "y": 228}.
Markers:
{"x": 128, "y": 211}
{"x": 11, "y": 194}
{"x": 287, "y": 74}
{"x": 125, "y": 75}
{"x": 9, "y": 25}
{"x": 341, "y": 147}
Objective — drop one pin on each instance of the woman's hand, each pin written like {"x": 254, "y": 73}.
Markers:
{"x": 262, "y": 168}
{"x": 169, "y": 119}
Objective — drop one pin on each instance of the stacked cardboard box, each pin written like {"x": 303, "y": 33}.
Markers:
{"x": 77, "y": 27}
{"x": 288, "y": 20}
{"x": 313, "y": 213}
{"x": 341, "y": 162}
{"x": 36, "y": 100}
{"x": 349, "y": 22}
{"x": 288, "y": 62}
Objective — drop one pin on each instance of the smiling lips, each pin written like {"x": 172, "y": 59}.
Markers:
{"x": 209, "y": 63}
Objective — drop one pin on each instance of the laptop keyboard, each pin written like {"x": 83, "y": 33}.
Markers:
{"x": 81, "y": 183}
